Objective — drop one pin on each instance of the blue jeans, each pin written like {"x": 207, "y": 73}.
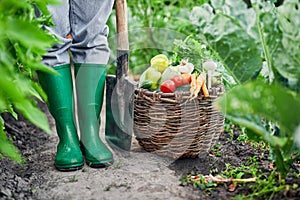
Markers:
{"x": 85, "y": 21}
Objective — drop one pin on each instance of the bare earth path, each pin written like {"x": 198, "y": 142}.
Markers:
{"x": 134, "y": 175}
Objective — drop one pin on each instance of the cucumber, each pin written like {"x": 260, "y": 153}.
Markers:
{"x": 146, "y": 84}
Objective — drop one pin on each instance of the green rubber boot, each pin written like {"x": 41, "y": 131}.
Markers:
{"x": 90, "y": 80}
{"x": 60, "y": 103}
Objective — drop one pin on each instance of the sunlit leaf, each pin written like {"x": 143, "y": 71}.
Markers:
{"x": 28, "y": 34}
{"x": 6, "y": 147}
{"x": 42, "y": 5}
{"x": 23, "y": 42}
{"x": 13, "y": 5}
{"x": 256, "y": 130}
{"x": 33, "y": 114}
{"x": 287, "y": 55}
{"x": 19, "y": 91}
{"x": 232, "y": 33}
{"x": 272, "y": 102}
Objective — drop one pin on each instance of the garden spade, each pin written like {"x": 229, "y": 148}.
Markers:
{"x": 120, "y": 88}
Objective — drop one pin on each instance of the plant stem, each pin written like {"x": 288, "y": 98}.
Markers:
{"x": 263, "y": 42}
{"x": 280, "y": 164}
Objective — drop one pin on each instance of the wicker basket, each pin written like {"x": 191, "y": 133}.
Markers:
{"x": 173, "y": 125}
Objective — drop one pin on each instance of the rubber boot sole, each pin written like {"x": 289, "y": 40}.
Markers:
{"x": 69, "y": 169}
{"x": 99, "y": 165}
{"x": 95, "y": 164}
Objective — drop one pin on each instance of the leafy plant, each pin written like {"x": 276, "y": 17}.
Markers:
{"x": 267, "y": 185}
{"x": 22, "y": 44}
{"x": 248, "y": 40}
{"x": 191, "y": 49}
{"x": 153, "y": 27}
{"x": 232, "y": 175}
{"x": 215, "y": 150}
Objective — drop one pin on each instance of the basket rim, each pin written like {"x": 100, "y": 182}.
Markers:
{"x": 214, "y": 92}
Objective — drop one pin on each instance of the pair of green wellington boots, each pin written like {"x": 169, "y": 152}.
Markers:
{"x": 89, "y": 82}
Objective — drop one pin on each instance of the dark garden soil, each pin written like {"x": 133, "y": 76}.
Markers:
{"x": 134, "y": 175}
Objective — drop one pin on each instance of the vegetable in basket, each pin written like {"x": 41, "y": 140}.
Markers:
{"x": 168, "y": 86}
{"x": 172, "y": 84}
{"x": 169, "y": 73}
{"x": 186, "y": 78}
{"x": 146, "y": 84}
{"x": 154, "y": 73}
{"x": 198, "y": 83}
{"x": 160, "y": 62}
{"x": 178, "y": 80}
{"x": 186, "y": 67}
{"x": 210, "y": 66}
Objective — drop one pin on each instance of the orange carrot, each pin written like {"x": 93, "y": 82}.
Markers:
{"x": 199, "y": 83}
{"x": 205, "y": 90}
{"x": 187, "y": 78}
{"x": 193, "y": 83}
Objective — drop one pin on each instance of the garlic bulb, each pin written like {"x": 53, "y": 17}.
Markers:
{"x": 186, "y": 67}
{"x": 210, "y": 66}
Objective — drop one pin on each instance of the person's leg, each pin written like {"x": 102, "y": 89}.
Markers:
{"x": 58, "y": 53}
{"x": 59, "y": 89}
{"x": 60, "y": 103}
{"x": 90, "y": 80}
{"x": 90, "y": 54}
{"x": 89, "y": 30}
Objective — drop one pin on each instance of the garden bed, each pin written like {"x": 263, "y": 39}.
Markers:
{"x": 133, "y": 175}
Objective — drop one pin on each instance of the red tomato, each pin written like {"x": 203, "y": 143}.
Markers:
{"x": 178, "y": 80}
{"x": 168, "y": 86}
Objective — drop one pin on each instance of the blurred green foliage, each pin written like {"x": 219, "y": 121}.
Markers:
{"x": 22, "y": 44}
{"x": 259, "y": 46}
{"x": 153, "y": 28}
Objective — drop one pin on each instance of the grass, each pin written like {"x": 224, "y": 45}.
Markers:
{"x": 215, "y": 150}
{"x": 268, "y": 183}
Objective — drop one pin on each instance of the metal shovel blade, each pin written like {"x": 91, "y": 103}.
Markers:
{"x": 119, "y": 112}
{"x": 119, "y": 88}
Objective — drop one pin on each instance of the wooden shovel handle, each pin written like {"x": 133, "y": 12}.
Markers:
{"x": 122, "y": 24}
{"x": 123, "y": 43}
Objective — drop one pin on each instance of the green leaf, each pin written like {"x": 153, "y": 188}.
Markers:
{"x": 256, "y": 130}
{"x": 38, "y": 91}
{"x": 36, "y": 65}
{"x": 28, "y": 34}
{"x": 18, "y": 91}
{"x": 240, "y": 175}
{"x": 252, "y": 123}
{"x": 272, "y": 102}
{"x": 231, "y": 32}
{"x": 6, "y": 147}
{"x": 23, "y": 42}
{"x": 286, "y": 57}
{"x": 42, "y": 5}
{"x": 238, "y": 10}
{"x": 3, "y": 103}
{"x": 13, "y": 5}
{"x": 11, "y": 110}
{"x": 33, "y": 114}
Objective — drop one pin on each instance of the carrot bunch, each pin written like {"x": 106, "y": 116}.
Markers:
{"x": 198, "y": 83}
